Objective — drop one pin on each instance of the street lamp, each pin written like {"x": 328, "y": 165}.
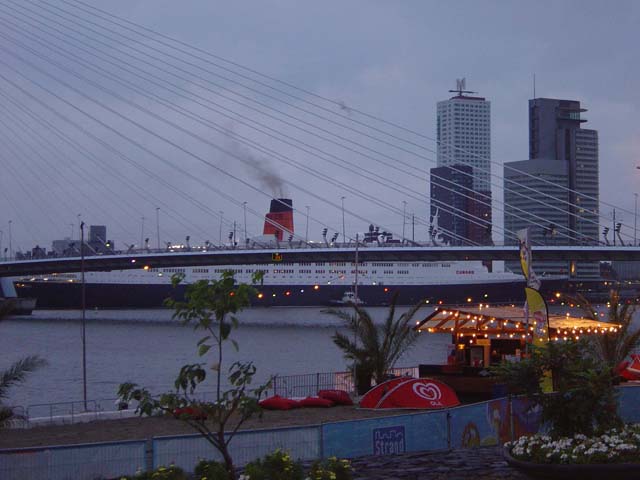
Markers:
{"x": 344, "y": 237}
{"x": 84, "y": 318}
{"x": 306, "y": 236}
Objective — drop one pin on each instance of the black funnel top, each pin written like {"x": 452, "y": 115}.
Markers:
{"x": 281, "y": 205}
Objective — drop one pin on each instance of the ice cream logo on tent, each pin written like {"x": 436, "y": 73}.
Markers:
{"x": 406, "y": 392}
{"x": 428, "y": 391}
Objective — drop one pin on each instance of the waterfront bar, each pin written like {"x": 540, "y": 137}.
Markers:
{"x": 483, "y": 336}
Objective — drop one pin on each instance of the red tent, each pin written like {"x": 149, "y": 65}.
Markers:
{"x": 410, "y": 393}
{"x": 635, "y": 364}
{"x": 373, "y": 396}
{"x": 633, "y": 370}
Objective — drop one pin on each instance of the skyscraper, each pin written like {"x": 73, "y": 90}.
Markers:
{"x": 558, "y": 185}
{"x": 464, "y": 140}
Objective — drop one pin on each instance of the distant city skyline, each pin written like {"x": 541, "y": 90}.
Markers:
{"x": 392, "y": 60}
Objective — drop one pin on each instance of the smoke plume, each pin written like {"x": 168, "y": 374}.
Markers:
{"x": 260, "y": 169}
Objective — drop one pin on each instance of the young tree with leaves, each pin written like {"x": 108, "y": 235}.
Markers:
{"x": 374, "y": 349}
{"x": 16, "y": 373}
{"x": 210, "y": 305}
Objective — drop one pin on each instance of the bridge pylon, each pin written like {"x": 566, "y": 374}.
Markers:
{"x": 7, "y": 289}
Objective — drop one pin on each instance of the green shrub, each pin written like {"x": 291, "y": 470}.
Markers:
{"x": 211, "y": 470}
{"x": 584, "y": 399}
{"x": 161, "y": 473}
{"x": 331, "y": 469}
{"x": 276, "y": 466}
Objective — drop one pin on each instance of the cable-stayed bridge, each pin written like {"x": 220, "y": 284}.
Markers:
{"x": 108, "y": 118}
{"x": 298, "y": 255}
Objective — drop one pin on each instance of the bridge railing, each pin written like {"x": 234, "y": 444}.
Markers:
{"x": 38, "y": 253}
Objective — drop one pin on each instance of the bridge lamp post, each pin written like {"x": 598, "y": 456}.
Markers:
{"x": 344, "y": 237}
{"x": 635, "y": 220}
{"x": 404, "y": 216}
{"x": 142, "y": 233}
{"x": 306, "y": 236}
{"x": 244, "y": 212}
{"x": 158, "y": 226}
{"x": 220, "y": 234}
{"x": 10, "y": 240}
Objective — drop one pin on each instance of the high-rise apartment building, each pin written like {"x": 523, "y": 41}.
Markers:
{"x": 556, "y": 191}
{"x": 464, "y": 140}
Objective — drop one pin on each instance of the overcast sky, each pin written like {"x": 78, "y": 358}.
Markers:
{"x": 394, "y": 60}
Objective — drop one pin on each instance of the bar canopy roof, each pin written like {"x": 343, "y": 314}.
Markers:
{"x": 506, "y": 322}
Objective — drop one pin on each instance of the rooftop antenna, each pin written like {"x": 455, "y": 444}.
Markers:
{"x": 461, "y": 85}
{"x": 534, "y": 85}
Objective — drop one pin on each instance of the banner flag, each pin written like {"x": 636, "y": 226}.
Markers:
{"x": 537, "y": 315}
{"x": 535, "y": 308}
{"x": 525, "y": 259}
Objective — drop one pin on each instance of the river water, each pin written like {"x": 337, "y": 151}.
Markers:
{"x": 148, "y": 347}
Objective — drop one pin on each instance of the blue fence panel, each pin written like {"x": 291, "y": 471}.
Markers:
{"x": 526, "y": 419}
{"x": 77, "y": 462}
{"x": 185, "y": 451}
{"x": 381, "y": 436}
{"x": 629, "y": 403}
{"x": 485, "y": 423}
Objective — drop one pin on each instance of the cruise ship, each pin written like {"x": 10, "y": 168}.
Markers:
{"x": 291, "y": 284}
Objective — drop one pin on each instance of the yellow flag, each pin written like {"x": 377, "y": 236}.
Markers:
{"x": 537, "y": 314}
{"x": 538, "y": 317}
{"x": 525, "y": 259}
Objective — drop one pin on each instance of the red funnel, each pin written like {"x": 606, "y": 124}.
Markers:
{"x": 279, "y": 220}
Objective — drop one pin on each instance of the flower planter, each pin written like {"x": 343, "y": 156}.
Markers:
{"x": 583, "y": 471}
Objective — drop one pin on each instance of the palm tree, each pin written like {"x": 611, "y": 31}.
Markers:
{"x": 374, "y": 349}
{"x": 16, "y": 373}
{"x": 613, "y": 347}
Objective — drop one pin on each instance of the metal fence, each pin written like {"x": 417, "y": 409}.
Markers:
{"x": 185, "y": 451}
{"x": 71, "y": 412}
{"x": 78, "y": 462}
{"x": 107, "y": 408}
{"x": 309, "y": 384}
